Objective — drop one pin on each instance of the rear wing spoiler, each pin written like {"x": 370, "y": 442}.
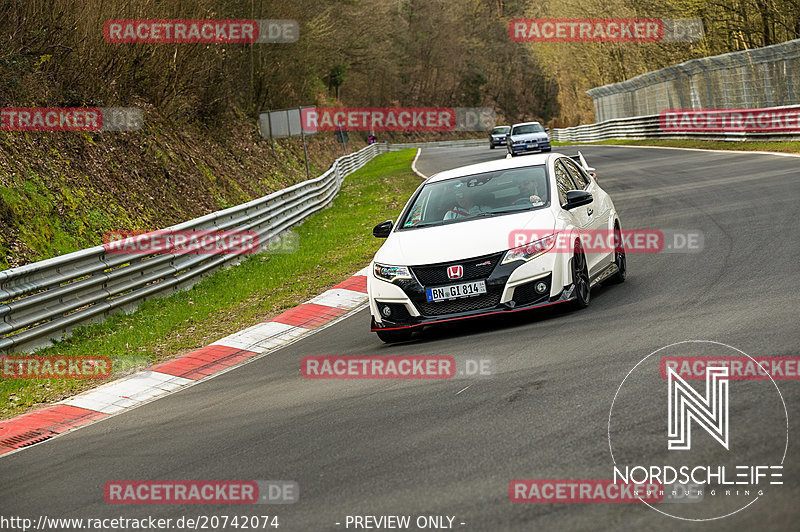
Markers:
{"x": 581, "y": 161}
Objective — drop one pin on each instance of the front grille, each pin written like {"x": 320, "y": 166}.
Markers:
{"x": 436, "y": 274}
{"x": 524, "y": 294}
{"x": 484, "y": 301}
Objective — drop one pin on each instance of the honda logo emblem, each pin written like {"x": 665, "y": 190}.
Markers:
{"x": 455, "y": 272}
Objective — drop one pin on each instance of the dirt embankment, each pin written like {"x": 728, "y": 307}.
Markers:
{"x": 60, "y": 192}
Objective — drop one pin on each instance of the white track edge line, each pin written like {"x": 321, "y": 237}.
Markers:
{"x": 414, "y": 164}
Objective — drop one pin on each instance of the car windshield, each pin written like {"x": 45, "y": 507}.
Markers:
{"x": 528, "y": 128}
{"x": 479, "y": 195}
{"x": 500, "y": 130}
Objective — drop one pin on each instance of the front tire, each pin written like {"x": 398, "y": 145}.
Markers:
{"x": 580, "y": 278}
{"x": 391, "y": 337}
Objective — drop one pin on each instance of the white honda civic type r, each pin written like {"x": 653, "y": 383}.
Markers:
{"x": 492, "y": 238}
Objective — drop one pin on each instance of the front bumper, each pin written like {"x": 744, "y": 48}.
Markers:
{"x": 509, "y": 288}
{"x": 530, "y": 147}
{"x": 498, "y": 141}
{"x": 386, "y": 325}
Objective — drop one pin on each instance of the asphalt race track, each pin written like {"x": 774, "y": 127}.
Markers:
{"x": 422, "y": 447}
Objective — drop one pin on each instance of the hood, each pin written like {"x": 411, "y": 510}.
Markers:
{"x": 444, "y": 243}
{"x": 528, "y": 136}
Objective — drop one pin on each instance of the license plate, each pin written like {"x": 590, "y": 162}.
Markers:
{"x": 530, "y": 146}
{"x": 454, "y": 291}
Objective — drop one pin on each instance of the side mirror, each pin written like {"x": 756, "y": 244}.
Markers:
{"x": 576, "y": 198}
{"x": 383, "y": 229}
{"x": 594, "y": 175}
{"x": 546, "y": 129}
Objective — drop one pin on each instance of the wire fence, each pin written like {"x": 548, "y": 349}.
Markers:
{"x": 758, "y": 78}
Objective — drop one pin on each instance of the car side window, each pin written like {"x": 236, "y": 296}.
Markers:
{"x": 563, "y": 181}
{"x": 578, "y": 175}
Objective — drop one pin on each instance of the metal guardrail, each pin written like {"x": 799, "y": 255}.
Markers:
{"x": 649, "y": 127}
{"x": 441, "y": 144}
{"x": 43, "y": 301}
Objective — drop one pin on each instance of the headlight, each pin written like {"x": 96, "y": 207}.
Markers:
{"x": 390, "y": 273}
{"x": 528, "y": 251}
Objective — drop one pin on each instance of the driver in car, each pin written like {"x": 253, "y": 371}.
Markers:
{"x": 465, "y": 203}
{"x": 529, "y": 192}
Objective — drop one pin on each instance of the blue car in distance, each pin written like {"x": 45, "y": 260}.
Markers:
{"x": 527, "y": 137}
{"x": 497, "y": 137}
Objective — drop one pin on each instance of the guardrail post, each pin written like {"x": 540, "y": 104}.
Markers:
{"x": 711, "y": 101}
{"x": 303, "y": 135}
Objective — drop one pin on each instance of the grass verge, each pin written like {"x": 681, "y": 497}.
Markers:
{"x": 786, "y": 147}
{"x": 333, "y": 244}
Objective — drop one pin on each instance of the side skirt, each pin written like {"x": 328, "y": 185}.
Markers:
{"x": 607, "y": 272}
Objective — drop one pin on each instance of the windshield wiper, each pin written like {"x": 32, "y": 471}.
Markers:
{"x": 424, "y": 224}
{"x": 504, "y": 211}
